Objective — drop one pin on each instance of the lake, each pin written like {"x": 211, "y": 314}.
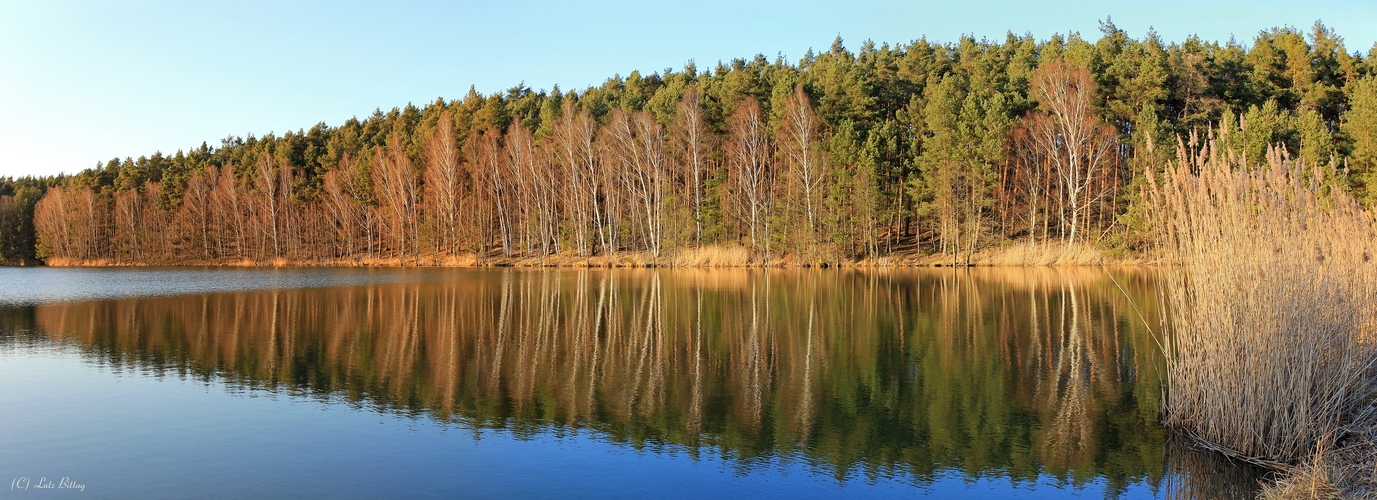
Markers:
{"x": 977, "y": 383}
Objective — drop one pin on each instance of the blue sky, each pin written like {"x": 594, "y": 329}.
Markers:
{"x": 85, "y": 81}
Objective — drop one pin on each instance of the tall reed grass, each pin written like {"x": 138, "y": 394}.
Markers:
{"x": 1269, "y": 309}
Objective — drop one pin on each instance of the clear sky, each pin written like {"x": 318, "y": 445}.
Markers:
{"x": 85, "y": 81}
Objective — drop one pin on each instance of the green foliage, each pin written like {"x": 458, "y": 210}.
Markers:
{"x": 1263, "y": 127}
{"x": 17, "y": 200}
{"x": 1360, "y": 132}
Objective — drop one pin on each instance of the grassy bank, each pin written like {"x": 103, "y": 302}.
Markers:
{"x": 1270, "y": 308}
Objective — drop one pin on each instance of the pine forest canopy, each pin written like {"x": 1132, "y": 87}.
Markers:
{"x": 916, "y": 148}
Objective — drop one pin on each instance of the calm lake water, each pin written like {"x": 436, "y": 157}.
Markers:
{"x": 497, "y": 383}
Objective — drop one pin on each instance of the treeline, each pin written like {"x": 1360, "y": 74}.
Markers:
{"x": 890, "y": 150}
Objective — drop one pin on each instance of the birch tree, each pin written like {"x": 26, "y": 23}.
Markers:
{"x": 692, "y": 143}
{"x": 444, "y": 183}
{"x": 1066, "y": 130}
{"x": 748, "y": 154}
{"x": 797, "y": 140}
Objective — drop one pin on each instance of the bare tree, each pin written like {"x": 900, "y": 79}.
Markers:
{"x": 531, "y": 171}
{"x": 128, "y": 213}
{"x": 636, "y": 145}
{"x": 748, "y": 154}
{"x": 270, "y": 204}
{"x": 340, "y": 207}
{"x": 154, "y": 221}
{"x": 519, "y": 171}
{"x": 196, "y": 205}
{"x": 286, "y": 180}
{"x": 229, "y": 214}
{"x": 1032, "y": 177}
{"x": 69, "y": 222}
{"x": 651, "y": 176}
{"x": 444, "y": 182}
{"x": 797, "y": 138}
{"x": 692, "y": 142}
{"x": 52, "y": 223}
{"x": 492, "y": 192}
{"x": 572, "y": 137}
{"x": 1066, "y": 130}
{"x": 394, "y": 182}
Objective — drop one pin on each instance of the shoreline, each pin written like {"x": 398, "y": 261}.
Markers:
{"x": 1013, "y": 255}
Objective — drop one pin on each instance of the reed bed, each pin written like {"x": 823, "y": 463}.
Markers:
{"x": 1268, "y": 312}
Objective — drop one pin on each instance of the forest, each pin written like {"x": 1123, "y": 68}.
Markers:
{"x": 919, "y": 149}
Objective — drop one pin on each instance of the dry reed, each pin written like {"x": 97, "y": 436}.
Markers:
{"x": 712, "y": 256}
{"x": 1317, "y": 477}
{"x": 1045, "y": 253}
{"x": 1269, "y": 310}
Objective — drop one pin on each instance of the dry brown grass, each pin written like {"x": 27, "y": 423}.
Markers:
{"x": 1049, "y": 253}
{"x": 1023, "y": 254}
{"x": 74, "y": 262}
{"x": 1317, "y": 477}
{"x": 1270, "y": 309}
{"x": 1347, "y": 470}
{"x": 712, "y": 256}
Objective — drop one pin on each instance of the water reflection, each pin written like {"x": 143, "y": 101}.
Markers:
{"x": 1024, "y": 374}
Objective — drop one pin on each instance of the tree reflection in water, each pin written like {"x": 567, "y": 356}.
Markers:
{"x": 1025, "y": 374}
